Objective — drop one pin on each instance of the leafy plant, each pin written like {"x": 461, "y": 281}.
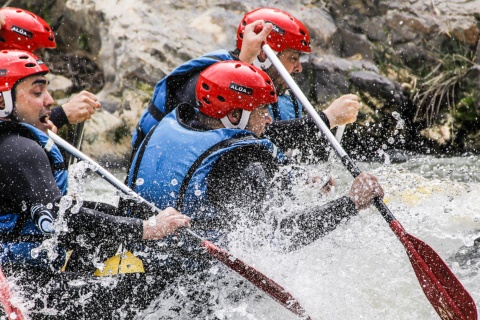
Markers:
{"x": 439, "y": 87}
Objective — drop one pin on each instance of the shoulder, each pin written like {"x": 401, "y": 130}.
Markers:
{"x": 19, "y": 149}
{"x": 253, "y": 160}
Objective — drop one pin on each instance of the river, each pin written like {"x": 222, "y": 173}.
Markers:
{"x": 361, "y": 270}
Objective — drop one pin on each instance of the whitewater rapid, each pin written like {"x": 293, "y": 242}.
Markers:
{"x": 360, "y": 270}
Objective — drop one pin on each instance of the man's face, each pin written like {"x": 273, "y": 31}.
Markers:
{"x": 291, "y": 61}
{"x": 259, "y": 118}
{"x": 33, "y": 102}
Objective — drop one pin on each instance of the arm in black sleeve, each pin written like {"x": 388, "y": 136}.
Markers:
{"x": 302, "y": 228}
{"x": 239, "y": 180}
{"x": 300, "y": 133}
{"x": 99, "y": 225}
{"x": 28, "y": 181}
{"x": 58, "y": 117}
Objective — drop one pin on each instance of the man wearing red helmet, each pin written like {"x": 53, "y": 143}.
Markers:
{"x": 36, "y": 229}
{"x": 285, "y": 34}
{"x": 24, "y": 30}
{"x": 212, "y": 164}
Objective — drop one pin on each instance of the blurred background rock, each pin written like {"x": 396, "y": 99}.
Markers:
{"x": 415, "y": 64}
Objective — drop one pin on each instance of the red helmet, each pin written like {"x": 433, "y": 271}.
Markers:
{"x": 231, "y": 85}
{"x": 14, "y": 66}
{"x": 288, "y": 31}
{"x": 24, "y": 30}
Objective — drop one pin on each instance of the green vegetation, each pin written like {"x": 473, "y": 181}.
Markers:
{"x": 444, "y": 87}
{"x": 83, "y": 42}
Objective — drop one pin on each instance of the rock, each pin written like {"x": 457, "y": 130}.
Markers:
{"x": 58, "y": 86}
{"x": 119, "y": 49}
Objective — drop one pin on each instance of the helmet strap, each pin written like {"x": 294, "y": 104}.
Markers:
{"x": 265, "y": 64}
{"x": 7, "y": 98}
{"x": 241, "y": 124}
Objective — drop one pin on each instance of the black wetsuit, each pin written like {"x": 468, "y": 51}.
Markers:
{"x": 26, "y": 180}
{"x": 58, "y": 117}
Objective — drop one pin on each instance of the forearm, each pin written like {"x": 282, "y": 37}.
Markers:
{"x": 103, "y": 226}
{"x": 303, "y": 228}
{"x": 301, "y": 133}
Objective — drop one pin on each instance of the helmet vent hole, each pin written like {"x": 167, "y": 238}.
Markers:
{"x": 30, "y": 65}
{"x": 23, "y": 57}
{"x": 268, "y": 82}
{"x": 205, "y": 86}
{"x": 221, "y": 99}
{"x": 304, "y": 43}
{"x": 302, "y": 32}
{"x": 206, "y": 100}
{"x": 2, "y": 39}
{"x": 238, "y": 65}
{"x": 272, "y": 93}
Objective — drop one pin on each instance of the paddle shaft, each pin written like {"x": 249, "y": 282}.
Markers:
{"x": 77, "y": 140}
{"x": 274, "y": 290}
{"x": 441, "y": 287}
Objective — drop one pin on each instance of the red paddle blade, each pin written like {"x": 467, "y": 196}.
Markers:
{"x": 11, "y": 311}
{"x": 442, "y": 288}
{"x": 273, "y": 289}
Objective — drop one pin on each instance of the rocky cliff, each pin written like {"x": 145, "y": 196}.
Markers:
{"x": 415, "y": 64}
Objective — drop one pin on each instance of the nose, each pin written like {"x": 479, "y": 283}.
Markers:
{"x": 48, "y": 101}
{"x": 298, "y": 67}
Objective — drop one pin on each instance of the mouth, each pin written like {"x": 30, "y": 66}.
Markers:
{"x": 44, "y": 118}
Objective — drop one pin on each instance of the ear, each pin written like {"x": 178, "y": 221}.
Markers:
{"x": 234, "y": 116}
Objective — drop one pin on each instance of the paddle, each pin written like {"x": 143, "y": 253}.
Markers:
{"x": 77, "y": 141}
{"x": 258, "y": 279}
{"x": 11, "y": 311}
{"x": 338, "y": 137}
{"x": 441, "y": 287}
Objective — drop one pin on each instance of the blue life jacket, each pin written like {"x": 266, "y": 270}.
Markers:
{"x": 286, "y": 108}
{"x": 171, "y": 168}
{"x": 18, "y": 233}
{"x": 159, "y": 106}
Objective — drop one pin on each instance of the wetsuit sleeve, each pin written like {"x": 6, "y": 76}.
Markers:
{"x": 300, "y": 133}
{"x": 28, "y": 180}
{"x": 302, "y": 228}
{"x": 58, "y": 117}
{"x": 99, "y": 225}
{"x": 185, "y": 93}
{"x": 238, "y": 183}
{"x": 239, "y": 180}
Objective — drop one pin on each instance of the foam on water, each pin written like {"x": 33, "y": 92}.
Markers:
{"x": 360, "y": 270}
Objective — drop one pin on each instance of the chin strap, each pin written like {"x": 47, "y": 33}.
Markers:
{"x": 7, "y": 98}
{"x": 265, "y": 64}
{"x": 241, "y": 124}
